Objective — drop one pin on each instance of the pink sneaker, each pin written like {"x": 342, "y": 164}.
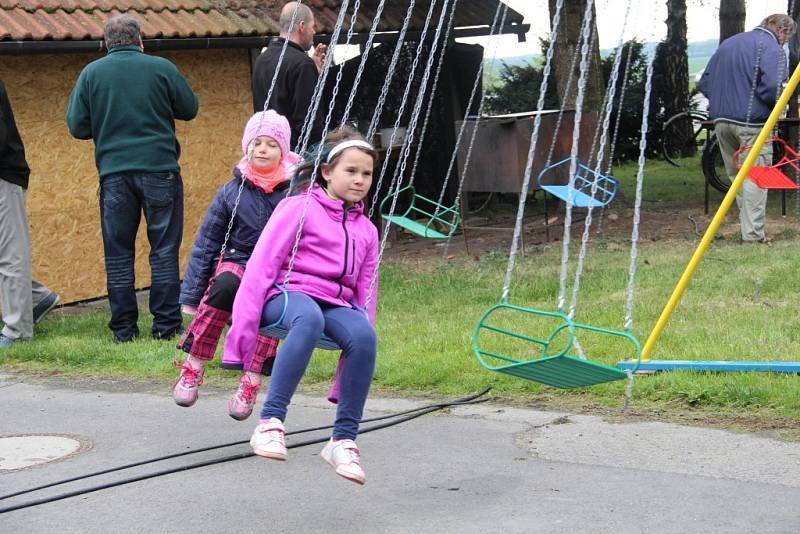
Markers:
{"x": 268, "y": 441}
{"x": 241, "y": 404}
{"x": 186, "y": 387}
{"x": 344, "y": 457}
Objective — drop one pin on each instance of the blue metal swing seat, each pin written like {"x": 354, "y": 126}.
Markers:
{"x": 580, "y": 193}
{"x": 277, "y": 330}
{"x": 425, "y": 209}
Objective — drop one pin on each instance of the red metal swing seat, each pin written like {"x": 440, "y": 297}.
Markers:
{"x": 772, "y": 177}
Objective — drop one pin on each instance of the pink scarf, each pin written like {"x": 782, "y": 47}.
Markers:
{"x": 264, "y": 179}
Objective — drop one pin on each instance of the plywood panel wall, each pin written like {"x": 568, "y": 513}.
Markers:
{"x": 63, "y": 205}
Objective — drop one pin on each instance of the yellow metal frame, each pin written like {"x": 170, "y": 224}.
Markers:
{"x": 697, "y": 257}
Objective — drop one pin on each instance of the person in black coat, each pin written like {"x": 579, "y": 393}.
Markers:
{"x": 23, "y": 300}
{"x": 294, "y": 86}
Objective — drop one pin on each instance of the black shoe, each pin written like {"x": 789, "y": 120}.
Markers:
{"x": 44, "y": 307}
{"x": 169, "y": 334}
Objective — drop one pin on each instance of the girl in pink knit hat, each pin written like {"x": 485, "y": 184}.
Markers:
{"x": 236, "y": 217}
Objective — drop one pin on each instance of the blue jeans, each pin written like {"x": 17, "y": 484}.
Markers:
{"x": 123, "y": 197}
{"x": 306, "y": 319}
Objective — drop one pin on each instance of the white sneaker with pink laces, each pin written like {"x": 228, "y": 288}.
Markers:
{"x": 344, "y": 457}
{"x": 268, "y": 440}
{"x": 186, "y": 388}
{"x": 240, "y": 406}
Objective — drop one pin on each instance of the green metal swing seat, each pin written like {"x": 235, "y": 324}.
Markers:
{"x": 558, "y": 368}
{"x": 423, "y": 208}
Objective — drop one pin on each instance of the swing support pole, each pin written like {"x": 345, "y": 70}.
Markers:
{"x": 716, "y": 222}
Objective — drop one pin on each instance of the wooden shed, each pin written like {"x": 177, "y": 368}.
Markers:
{"x": 44, "y": 45}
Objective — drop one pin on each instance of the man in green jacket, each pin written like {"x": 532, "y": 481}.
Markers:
{"x": 127, "y": 102}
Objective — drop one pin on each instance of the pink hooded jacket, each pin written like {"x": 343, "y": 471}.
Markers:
{"x": 335, "y": 262}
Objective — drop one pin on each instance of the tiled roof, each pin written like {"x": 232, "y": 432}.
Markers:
{"x": 84, "y": 19}
{"x": 163, "y": 19}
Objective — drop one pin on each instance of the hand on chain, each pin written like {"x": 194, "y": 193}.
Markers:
{"x": 320, "y": 51}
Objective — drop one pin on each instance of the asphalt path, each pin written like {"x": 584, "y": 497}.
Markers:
{"x": 481, "y": 468}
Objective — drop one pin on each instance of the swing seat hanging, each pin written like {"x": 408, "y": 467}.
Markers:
{"x": 552, "y": 367}
{"x": 277, "y": 330}
{"x": 447, "y": 218}
{"x": 580, "y": 193}
{"x": 772, "y": 176}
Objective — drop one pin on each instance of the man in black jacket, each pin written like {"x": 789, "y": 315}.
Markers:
{"x": 294, "y": 86}
{"x": 24, "y": 301}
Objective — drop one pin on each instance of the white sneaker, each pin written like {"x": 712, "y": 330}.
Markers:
{"x": 344, "y": 457}
{"x": 268, "y": 441}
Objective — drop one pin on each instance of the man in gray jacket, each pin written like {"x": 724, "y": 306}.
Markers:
{"x": 742, "y": 82}
{"x": 23, "y": 300}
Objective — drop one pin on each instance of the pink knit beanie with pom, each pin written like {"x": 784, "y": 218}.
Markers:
{"x": 274, "y": 125}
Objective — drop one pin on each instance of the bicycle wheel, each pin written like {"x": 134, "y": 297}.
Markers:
{"x": 714, "y": 167}
{"x": 683, "y": 137}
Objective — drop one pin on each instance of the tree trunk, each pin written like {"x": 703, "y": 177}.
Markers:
{"x": 731, "y": 18}
{"x": 673, "y": 62}
{"x": 567, "y": 41}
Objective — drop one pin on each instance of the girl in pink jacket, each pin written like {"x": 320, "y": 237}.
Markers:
{"x": 330, "y": 278}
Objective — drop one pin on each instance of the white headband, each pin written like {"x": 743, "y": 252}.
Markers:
{"x": 344, "y": 145}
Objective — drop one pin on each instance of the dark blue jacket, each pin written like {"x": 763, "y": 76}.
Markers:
{"x": 252, "y": 214}
{"x": 743, "y": 78}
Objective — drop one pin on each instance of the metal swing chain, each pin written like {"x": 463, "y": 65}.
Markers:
{"x": 261, "y": 120}
{"x": 319, "y": 155}
{"x": 637, "y": 206}
{"x": 412, "y": 128}
{"x": 603, "y": 105}
{"x": 387, "y": 82}
{"x": 523, "y": 196}
{"x": 797, "y": 143}
{"x": 637, "y": 210}
{"x": 482, "y": 100}
{"x": 596, "y": 135}
{"x": 405, "y": 148}
{"x": 614, "y": 69}
{"x": 753, "y": 85}
{"x": 367, "y": 48}
{"x": 576, "y": 131}
{"x": 623, "y": 89}
{"x": 316, "y": 97}
{"x": 567, "y": 90}
{"x": 618, "y": 121}
{"x": 315, "y": 106}
{"x": 600, "y": 155}
{"x": 435, "y": 85}
{"x": 401, "y": 110}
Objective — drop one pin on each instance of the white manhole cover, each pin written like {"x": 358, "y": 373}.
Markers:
{"x": 18, "y": 452}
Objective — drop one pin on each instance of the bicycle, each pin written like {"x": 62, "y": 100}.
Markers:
{"x": 688, "y": 133}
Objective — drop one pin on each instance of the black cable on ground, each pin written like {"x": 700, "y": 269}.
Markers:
{"x": 408, "y": 416}
{"x": 241, "y": 442}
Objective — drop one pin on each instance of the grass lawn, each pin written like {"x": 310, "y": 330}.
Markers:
{"x": 742, "y": 304}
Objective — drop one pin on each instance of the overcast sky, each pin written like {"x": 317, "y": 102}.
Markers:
{"x": 645, "y": 21}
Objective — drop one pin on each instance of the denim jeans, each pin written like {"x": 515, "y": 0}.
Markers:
{"x": 123, "y": 198}
{"x": 306, "y": 319}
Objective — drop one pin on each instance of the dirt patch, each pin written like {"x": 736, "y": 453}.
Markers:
{"x": 494, "y": 231}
